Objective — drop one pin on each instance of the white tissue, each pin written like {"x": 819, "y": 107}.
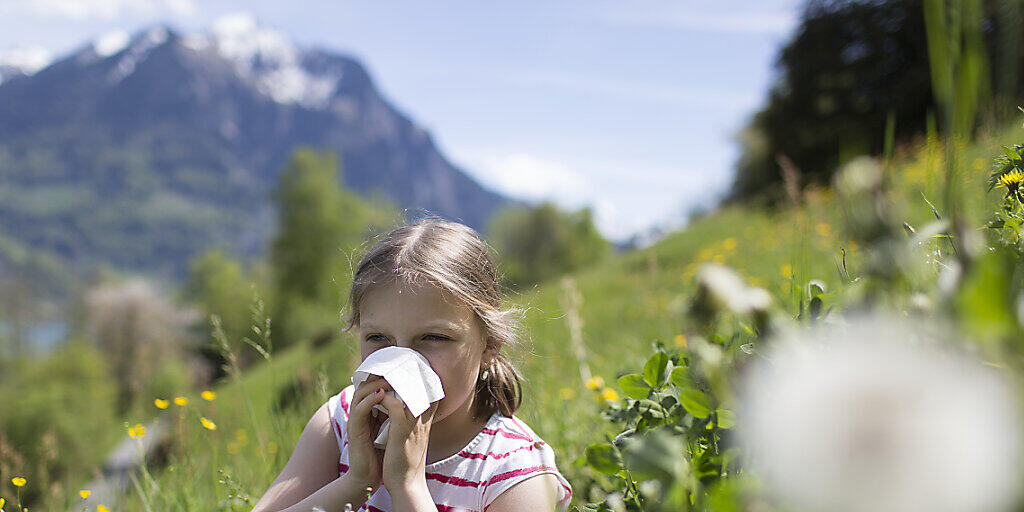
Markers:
{"x": 409, "y": 374}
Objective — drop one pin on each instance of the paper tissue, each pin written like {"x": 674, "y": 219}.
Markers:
{"x": 409, "y": 374}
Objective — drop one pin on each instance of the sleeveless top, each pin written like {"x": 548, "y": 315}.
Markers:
{"x": 503, "y": 454}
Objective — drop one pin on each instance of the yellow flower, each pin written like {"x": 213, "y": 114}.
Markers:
{"x": 101, "y": 508}
{"x": 180, "y": 401}
{"x": 137, "y": 431}
{"x": 84, "y": 493}
{"x": 1011, "y": 180}
{"x": 595, "y": 383}
{"x": 566, "y": 393}
{"x": 729, "y": 244}
{"x": 208, "y": 424}
{"x": 208, "y": 395}
{"x": 19, "y": 481}
{"x": 161, "y": 403}
{"x": 609, "y": 395}
{"x": 787, "y": 270}
{"x": 680, "y": 340}
{"x": 2, "y": 501}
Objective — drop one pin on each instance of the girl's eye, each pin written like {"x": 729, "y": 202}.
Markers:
{"x": 434, "y": 336}
{"x": 438, "y": 337}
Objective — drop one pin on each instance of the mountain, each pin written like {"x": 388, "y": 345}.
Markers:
{"x": 138, "y": 152}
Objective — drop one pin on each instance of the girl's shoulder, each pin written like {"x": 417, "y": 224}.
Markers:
{"x": 338, "y": 408}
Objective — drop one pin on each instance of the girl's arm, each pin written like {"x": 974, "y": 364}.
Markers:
{"x": 310, "y": 478}
{"x": 537, "y": 493}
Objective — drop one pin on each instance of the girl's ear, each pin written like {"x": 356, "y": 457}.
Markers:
{"x": 491, "y": 350}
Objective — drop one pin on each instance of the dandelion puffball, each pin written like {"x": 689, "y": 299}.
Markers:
{"x": 877, "y": 415}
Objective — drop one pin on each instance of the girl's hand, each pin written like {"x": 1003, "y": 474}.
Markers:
{"x": 405, "y": 456}
{"x": 365, "y": 461}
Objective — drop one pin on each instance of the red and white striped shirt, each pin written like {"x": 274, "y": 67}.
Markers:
{"x": 504, "y": 453}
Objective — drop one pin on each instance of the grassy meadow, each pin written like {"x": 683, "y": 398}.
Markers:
{"x": 627, "y": 303}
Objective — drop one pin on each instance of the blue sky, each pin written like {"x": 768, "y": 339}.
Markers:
{"x": 630, "y": 107}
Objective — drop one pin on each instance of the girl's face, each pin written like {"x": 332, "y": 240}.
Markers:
{"x": 434, "y": 323}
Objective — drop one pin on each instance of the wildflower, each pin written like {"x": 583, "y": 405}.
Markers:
{"x": 208, "y": 395}
{"x": 160, "y": 403}
{"x": 609, "y": 395}
{"x": 84, "y": 493}
{"x": 180, "y": 401}
{"x": 786, "y": 269}
{"x": 1011, "y": 181}
{"x": 725, "y": 288}
{"x": 2, "y": 502}
{"x": 101, "y": 508}
{"x": 19, "y": 481}
{"x": 136, "y": 431}
{"x": 680, "y": 340}
{"x": 209, "y": 425}
{"x": 567, "y": 393}
{"x": 595, "y": 383}
{"x": 729, "y": 244}
{"x": 875, "y": 415}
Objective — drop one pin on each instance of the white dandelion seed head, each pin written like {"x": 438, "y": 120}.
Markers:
{"x": 880, "y": 415}
{"x": 727, "y": 288}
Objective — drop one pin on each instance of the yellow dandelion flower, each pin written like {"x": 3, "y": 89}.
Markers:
{"x": 101, "y": 508}
{"x": 609, "y": 395}
{"x": 566, "y": 393}
{"x": 84, "y": 493}
{"x": 136, "y": 431}
{"x": 1011, "y": 180}
{"x": 729, "y": 244}
{"x": 2, "y": 502}
{"x": 208, "y": 395}
{"x": 786, "y": 269}
{"x": 181, "y": 401}
{"x": 680, "y": 340}
{"x": 209, "y": 425}
{"x": 19, "y": 481}
{"x": 595, "y": 382}
{"x": 161, "y": 403}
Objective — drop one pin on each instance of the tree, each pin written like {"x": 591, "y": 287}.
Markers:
{"x": 320, "y": 224}
{"x": 850, "y": 68}
{"x": 539, "y": 243}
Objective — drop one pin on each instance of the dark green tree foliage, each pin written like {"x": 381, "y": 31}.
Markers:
{"x": 320, "y": 224}
{"x": 543, "y": 242}
{"x": 219, "y": 285}
{"x": 849, "y": 66}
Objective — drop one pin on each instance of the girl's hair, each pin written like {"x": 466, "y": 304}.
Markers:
{"x": 453, "y": 257}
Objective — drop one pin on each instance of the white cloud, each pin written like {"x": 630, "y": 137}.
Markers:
{"x": 96, "y": 9}
{"x": 525, "y": 176}
{"x": 648, "y": 92}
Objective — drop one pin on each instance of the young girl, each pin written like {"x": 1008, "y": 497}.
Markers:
{"x": 432, "y": 287}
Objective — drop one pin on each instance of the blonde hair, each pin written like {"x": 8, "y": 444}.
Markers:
{"x": 455, "y": 258}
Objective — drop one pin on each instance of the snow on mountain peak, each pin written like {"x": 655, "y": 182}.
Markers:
{"x": 26, "y": 59}
{"x": 269, "y": 59}
{"x": 138, "y": 49}
{"x": 111, "y": 43}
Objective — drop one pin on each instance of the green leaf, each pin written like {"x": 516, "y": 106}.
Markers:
{"x": 681, "y": 377}
{"x": 654, "y": 369}
{"x": 657, "y": 454}
{"x": 652, "y": 408}
{"x": 604, "y": 458}
{"x": 726, "y": 418}
{"x": 695, "y": 402}
{"x": 634, "y": 386}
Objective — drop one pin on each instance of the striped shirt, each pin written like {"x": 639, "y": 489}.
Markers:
{"x": 503, "y": 454}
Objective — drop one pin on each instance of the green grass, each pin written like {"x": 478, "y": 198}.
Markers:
{"x": 628, "y": 302}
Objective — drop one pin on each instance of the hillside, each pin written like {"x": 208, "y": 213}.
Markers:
{"x": 627, "y": 303}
